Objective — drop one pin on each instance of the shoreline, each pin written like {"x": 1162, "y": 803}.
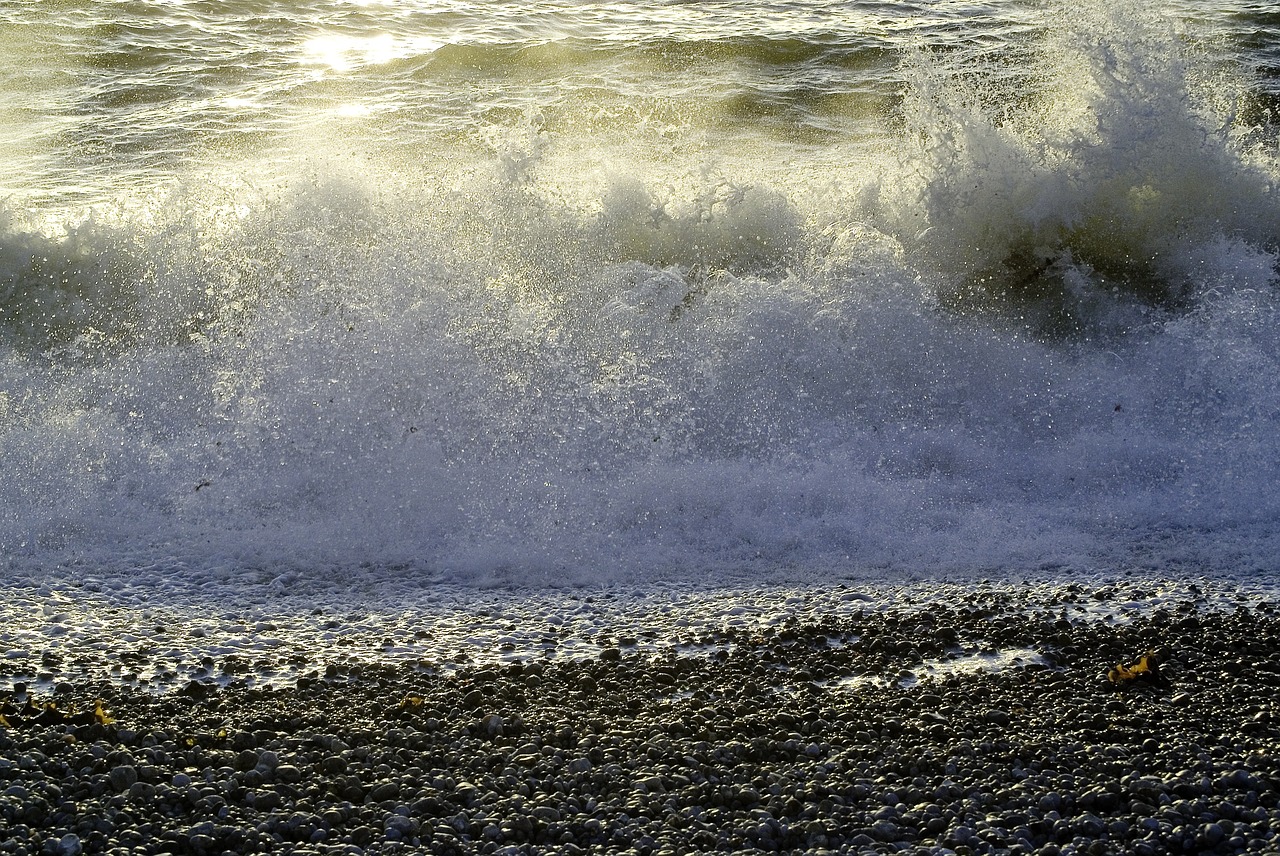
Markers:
{"x": 873, "y": 727}
{"x": 236, "y": 634}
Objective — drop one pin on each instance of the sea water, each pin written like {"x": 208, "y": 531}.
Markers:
{"x": 567, "y": 292}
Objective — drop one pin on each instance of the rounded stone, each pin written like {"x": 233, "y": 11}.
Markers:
{"x": 997, "y": 717}
{"x": 333, "y": 765}
{"x": 267, "y": 801}
{"x": 384, "y": 792}
{"x": 123, "y": 777}
{"x": 143, "y": 792}
{"x": 288, "y": 773}
{"x": 1212, "y": 834}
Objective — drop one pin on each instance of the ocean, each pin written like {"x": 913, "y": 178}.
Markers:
{"x": 560, "y": 293}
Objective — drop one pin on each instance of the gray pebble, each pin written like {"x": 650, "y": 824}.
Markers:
{"x": 123, "y": 777}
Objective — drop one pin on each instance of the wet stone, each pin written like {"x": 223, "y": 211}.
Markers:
{"x": 288, "y": 773}
{"x": 384, "y": 792}
{"x": 997, "y": 717}
{"x": 332, "y": 765}
{"x": 123, "y": 777}
{"x": 266, "y": 800}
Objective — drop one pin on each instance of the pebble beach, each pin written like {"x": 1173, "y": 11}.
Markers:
{"x": 922, "y": 718}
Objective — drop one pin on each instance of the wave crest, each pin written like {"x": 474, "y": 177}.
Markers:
{"x": 1099, "y": 184}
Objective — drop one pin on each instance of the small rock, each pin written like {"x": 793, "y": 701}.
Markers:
{"x": 333, "y": 765}
{"x": 201, "y": 843}
{"x": 1212, "y": 834}
{"x": 289, "y": 774}
{"x": 404, "y": 826}
{"x": 997, "y": 717}
{"x": 267, "y": 801}
{"x": 384, "y": 792}
{"x": 1090, "y": 826}
{"x": 142, "y": 792}
{"x": 123, "y": 777}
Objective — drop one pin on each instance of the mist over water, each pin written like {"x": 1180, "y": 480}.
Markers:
{"x": 570, "y": 294}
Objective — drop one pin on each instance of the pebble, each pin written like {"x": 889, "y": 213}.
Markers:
{"x": 123, "y": 777}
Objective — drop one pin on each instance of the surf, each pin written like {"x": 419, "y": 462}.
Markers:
{"x": 1004, "y": 319}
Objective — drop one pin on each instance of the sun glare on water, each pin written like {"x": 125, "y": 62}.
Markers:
{"x": 344, "y": 53}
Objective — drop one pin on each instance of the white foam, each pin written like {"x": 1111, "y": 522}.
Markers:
{"x": 530, "y": 370}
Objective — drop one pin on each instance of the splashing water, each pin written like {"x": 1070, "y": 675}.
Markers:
{"x": 1110, "y": 181}
{"x": 779, "y": 306}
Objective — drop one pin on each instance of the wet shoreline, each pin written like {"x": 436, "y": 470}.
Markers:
{"x": 835, "y": 730}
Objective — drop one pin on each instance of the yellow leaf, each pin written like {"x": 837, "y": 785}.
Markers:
{"x": 100, "y": 715}
{"x": 1121, "y": 672}
{"x": 411, "y": 703}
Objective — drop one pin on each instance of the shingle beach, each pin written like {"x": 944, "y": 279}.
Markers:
{"x": 930, "y": 719}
